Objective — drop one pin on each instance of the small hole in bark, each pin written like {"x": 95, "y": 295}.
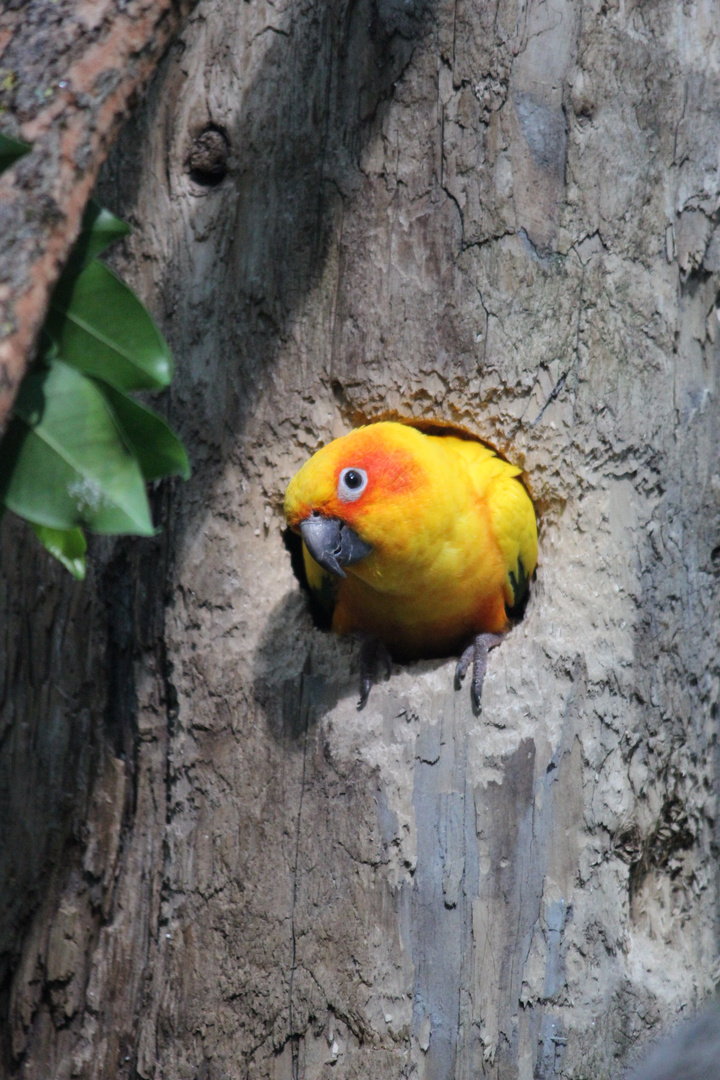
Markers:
{"x": 338, "y": 392}
{"x": 207, "y": 161}
{"x": 715, "y": 554}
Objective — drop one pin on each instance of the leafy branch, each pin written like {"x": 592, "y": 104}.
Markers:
{"x": 79, "y": 449}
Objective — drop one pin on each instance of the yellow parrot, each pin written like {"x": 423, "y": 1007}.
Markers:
{"x": 419, "y": 543}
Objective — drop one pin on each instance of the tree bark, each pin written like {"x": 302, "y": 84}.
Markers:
{"x": 70, "y": 73}
{"x": 502, "y": 217}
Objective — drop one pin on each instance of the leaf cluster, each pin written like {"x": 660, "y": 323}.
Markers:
{"x": 79, "y": 448}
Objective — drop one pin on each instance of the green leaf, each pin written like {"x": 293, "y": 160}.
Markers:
{"x": 101, "y": 328}
{"x": 99, "y": 229}
{"x": 67, "y": 545}
{"x": 157, "y": 449}
{"x": 10, "y": 151}
{"x": 63, "y": 462}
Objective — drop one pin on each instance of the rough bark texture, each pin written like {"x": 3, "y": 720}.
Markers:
{"x": 496, "y": 215}
{"x": 69, "y": 72}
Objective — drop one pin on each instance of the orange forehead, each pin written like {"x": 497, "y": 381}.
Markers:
{"x": 387, "y": 467}
{"x": 392, "y": 470}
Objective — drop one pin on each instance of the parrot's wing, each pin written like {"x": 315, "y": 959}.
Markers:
{"x": 512, "y": 515}
{"x": 515, "y": 527}
{"x": 320, "y": 587}
{"x": 323, "y": 587}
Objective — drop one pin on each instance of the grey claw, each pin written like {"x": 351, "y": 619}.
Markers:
{"x": 372, "y": 650}
{"x": 462, "y": 665}
{"x": 365, "y": 687}
{"x": 478, "y": 653}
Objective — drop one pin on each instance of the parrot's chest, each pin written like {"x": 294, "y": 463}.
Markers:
{"x": 430, "y": 610}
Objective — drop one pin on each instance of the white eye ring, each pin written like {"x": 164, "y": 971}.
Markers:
{"x": 351, "y": 484}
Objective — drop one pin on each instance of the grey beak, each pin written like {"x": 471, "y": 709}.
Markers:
{"x": 332, "y": 544}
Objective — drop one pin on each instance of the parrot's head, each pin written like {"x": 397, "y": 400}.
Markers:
{"x": 355, "y": 501}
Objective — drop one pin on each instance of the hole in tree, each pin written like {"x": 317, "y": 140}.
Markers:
{"x": 207, "y": 160}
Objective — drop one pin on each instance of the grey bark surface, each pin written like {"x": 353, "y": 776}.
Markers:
{"x": 213, "y": 865}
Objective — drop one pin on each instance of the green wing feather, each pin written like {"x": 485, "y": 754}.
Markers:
{"x": 519, "y": 582}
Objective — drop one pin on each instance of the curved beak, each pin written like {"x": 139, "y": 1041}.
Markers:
{"x": 332, "y": 543}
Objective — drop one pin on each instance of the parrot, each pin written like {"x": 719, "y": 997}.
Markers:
{"x": 419, "y": 542}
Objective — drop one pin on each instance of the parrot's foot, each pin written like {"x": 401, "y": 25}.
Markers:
{"x": 371, "y": 652}
{"x": 478, "y": 653}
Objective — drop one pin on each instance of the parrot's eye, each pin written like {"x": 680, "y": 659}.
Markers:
{"x": 351, "y": 484}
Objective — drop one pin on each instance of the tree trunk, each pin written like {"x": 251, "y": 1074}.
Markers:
{"x": 214, "y": 866}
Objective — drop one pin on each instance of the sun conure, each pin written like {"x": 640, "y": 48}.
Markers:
{"x": 418, "y": 543}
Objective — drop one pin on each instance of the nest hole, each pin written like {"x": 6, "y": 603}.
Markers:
{"x": 207, "y": 162}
